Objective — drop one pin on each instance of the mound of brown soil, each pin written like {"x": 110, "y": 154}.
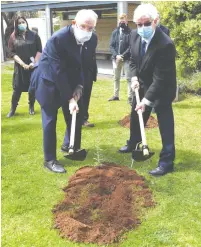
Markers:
{"x": 151, "y": 123}
{"x": 101, "y": 203}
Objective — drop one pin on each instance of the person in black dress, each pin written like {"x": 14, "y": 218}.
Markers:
{"x": 25, "y": 48}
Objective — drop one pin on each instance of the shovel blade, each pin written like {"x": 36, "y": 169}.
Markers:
{"x": 138, "y": 155}
{"x": 79, "y": 155}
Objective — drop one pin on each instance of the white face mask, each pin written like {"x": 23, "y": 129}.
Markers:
{"x": 81, "y": 35}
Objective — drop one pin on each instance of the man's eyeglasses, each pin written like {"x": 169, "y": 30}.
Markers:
{"x": 146, "y": 24}
{"x": 87, "y": 28}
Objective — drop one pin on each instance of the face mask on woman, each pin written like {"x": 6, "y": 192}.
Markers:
{"x": 81, "y": 35}
{"x": 145, "y": 32}
{"x": 22, "y": 27}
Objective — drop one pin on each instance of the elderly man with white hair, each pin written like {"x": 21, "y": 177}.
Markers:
{"x": 154, "y": 74}
{"x": 58, "y": 81}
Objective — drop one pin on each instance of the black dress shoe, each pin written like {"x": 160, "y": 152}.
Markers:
{"x": 64, "y": 148}
{"x": 113, "y": 98}
{"x": 54, "y": 166}
{"x": 160, "y": 171}
{"x": 125, "y": 149}
{"x": 88, "y": 124}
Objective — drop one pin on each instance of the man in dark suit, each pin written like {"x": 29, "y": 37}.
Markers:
{"x": 58, "y": 81}
{"x": 90, "y": 74}
{"x": 89, "y": 67}
{"x": 153, "y": 72}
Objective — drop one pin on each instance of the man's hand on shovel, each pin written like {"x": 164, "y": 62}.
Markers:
{"x": 135, "y": 85}
{"x": 140, "y": 106}
{"x": 73, "y": 106}
{"x": 77, "y": 94}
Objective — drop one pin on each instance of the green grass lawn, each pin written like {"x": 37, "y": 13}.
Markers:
{"x": 29, "y": 192}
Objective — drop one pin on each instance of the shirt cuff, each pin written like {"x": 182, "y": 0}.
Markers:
{"x": 147, "y": 102}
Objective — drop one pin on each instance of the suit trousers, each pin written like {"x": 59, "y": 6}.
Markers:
{"x": 165, "y": 118}
{"x": 86, "y": 98}
{"x": 117, "y": 68}
{"x": 49, "y": 120}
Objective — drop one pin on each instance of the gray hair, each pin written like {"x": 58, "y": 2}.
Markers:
{"x": 86, "y": 14}
{"x": 145, "y": 10}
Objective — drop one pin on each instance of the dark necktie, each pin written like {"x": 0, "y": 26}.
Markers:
{"x": 143, "y": 48}
{"x": 81, "y": 55}
{"x": 81, "y": 49}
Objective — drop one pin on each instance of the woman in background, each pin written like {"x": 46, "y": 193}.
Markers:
{"x": 25, "y": 48}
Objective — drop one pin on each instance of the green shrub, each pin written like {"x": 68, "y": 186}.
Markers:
{"x": 190, "y": 84}
{"x": 184, "y": 21}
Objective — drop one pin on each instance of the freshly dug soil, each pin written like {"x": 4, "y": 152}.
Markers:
{"x": 101, "y": 203}
{"x": 151, "y": 123}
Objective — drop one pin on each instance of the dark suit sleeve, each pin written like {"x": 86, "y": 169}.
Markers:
{"x": 126, "y": 54}
{"x": 133, "y": 62}
{"x": 168, "y": 32}
{"x": 165, "y": 64}
{"x": 112, "y": 45}
{"x": 165, "y": 30}
{"x": 58, "y": 64}
{"x": 133, "y": 66}
{"x": 95, "y": 69}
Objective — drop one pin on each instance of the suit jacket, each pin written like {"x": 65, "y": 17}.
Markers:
{"x": 114, "y": 43}
{"x": 89, "y": 59}
{"x": 59, "y": 70}
{"x": 156, "y": 71}
{"x": 165, "y": 29}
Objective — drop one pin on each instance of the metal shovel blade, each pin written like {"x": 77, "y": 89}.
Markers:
{"x": 77, "y": 155}
{"x": 138, "y": 155}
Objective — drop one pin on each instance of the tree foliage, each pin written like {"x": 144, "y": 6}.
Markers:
{"x": 184, "y": 21}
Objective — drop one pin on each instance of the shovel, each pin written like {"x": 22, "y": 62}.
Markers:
{"x": 141, "y": 154}
{"x": 72, "y": 154}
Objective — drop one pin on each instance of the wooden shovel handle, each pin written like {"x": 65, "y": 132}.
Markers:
{"x": 142, "y": 130}
{"x": 72, "y": 132}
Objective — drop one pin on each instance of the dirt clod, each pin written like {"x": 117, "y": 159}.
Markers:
{"x": 101, "y": 203}
{"x": 151, "y": 123}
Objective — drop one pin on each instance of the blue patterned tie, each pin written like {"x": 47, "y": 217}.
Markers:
{"x": 143, "y": 47}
